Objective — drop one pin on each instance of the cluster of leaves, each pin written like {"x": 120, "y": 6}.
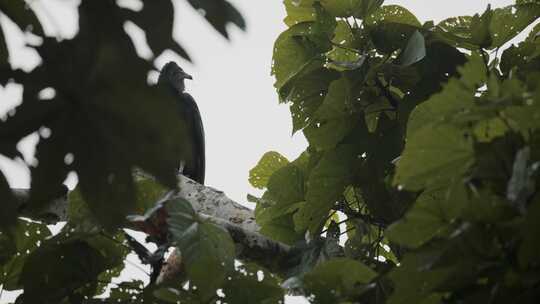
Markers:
{"x": 423, "y": 147}
{"x": 96, "y": 115}
{"x": 90, "y": 102}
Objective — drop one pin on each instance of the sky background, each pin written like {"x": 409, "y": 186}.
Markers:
{"x": 232, "y": 83}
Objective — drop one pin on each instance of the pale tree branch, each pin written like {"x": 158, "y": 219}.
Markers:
{"x": 214, "y": 206}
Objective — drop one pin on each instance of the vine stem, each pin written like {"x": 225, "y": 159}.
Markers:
{"x": 346, "y": 48}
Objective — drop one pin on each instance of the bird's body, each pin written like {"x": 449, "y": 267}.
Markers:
{"x": 192, "y": 163}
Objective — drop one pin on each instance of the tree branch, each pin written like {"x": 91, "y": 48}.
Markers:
{"x": 215, "y": 206}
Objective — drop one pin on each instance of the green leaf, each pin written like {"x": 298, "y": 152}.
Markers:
{"x": 127, "y": 291}
{"x": 391, "y": 36}
{"x": 345, "y": 59}
{"x": 279, "y": 226}
{"x": 333, "y": 120}
{"x": 490, "y": 30}
{"x": 55, "y": 271}
{"x": 529, "y": 249}
{"x": 300, "y": 49}
{"x": 208, "y": 250}
{"x": 344, "y": 8}
{"x": 276, "y": 220}
{"x": 456, "y": 30}
{"x": 414, "y": 51}
{"x": 508, "y": 22}
{"x": 456, "y": 97}
{"x": 286, "y": 186}
{"x": 294, "y": 54}
{"x": 17, "y": 243}
{"x": 392, "y": 14}
{"x": 431, "y": 215}
{"x": 434, "y": 155}
{"x": 466, "y": 31}
{"x": 263, "y": 287}
{"x": 326, "y": 135}
{"x": 306, "y": 94}
{"x": 148, "y": 192}
{"x": 325, "y": 185}
{"x": 337, "y": 279}
{"x": 413, "y": 281}
{"x": 480, "y": 31}
{"x": 299, "y": 11}
{"x": 338, "y": 103}
{"x": 524, "y": 118}
{"x": 269, "y": 163}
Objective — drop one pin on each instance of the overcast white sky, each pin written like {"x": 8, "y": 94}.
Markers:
{"x": 232, "y": 83}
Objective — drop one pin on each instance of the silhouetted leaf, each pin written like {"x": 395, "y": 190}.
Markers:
{"x": 263, "y": 287}
{"x": 22, "y": 14}
{"x": 46, "y": 277}
{"x": 157, "y": 20}
{"x": 8, "y": 216}
{"x": 337, "y": 279}
{"x": 219, "y": 13}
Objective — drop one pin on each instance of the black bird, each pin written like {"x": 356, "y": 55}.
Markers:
{"x": 193, "y": 164}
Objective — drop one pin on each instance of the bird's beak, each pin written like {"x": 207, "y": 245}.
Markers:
{"x": 187, "y": 76}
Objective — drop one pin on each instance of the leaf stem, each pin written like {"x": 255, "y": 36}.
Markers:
{"x": 346, "y": 48}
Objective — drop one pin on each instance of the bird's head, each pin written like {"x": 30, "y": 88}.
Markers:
{"x": 172, "y": 74}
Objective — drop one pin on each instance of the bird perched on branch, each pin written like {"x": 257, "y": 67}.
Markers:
{"x": 193, "y": 163}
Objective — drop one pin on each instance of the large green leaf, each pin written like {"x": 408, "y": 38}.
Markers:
{"x": 392, "y": 14}
{"x": 456, "y": 97}
{"x": 286, "y": 186}
{"x": 344, "y": 54}
{"x": 433, "y": 155}
{"x": 490, "y": 30}
{"x": 17, "y": 243}
{"x": 55, "y": 271}
{"x": 299, "y": 50}
{"x": 299, "y": 11}
{"x": 337, "y": 279}
{"x": 338, "y": 102}
{"x": 432, "y": 214}
{"x": 267, "y": 165}
{"x": 508, "y": 22}
{"x": 348, "y": 8}
{"x": 334, "y": 118}
{"x": 261, "y": 285}
{"x": 207, "y": 250}
{"x": 293, "y": 54}
{"x": 306, "y": 94}
{"x": 414, "y": 282}
{"x": 325, "y": 185}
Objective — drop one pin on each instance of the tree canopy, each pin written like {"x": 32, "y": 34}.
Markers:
{"x": 419, "y": 184}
